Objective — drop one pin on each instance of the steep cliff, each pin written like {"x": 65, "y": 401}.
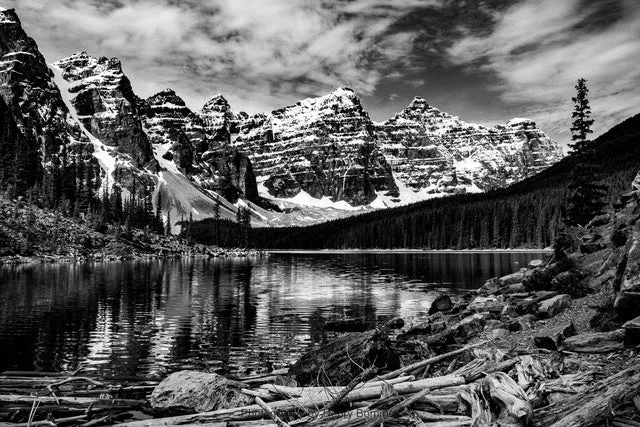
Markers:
{"x": 329, "y": 148}
{"x": 324, "y": 146}
{"x": 199, "y": 144}
{"x": 435, "y": 153}
{"x": 40, "y": 139}
{"x": 106, "y": 105}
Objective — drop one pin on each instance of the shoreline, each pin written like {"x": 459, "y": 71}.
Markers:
{"x": 238, "y": 253}
{"x": 15, "y": 260}
{"x": 408, "y": 251}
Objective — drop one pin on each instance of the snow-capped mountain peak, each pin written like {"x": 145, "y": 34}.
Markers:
{"x": 322, "y": 153}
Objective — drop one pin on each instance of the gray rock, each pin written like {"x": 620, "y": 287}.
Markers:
{"x": 522, "y": 323}
{"x": 632, "y": 332}
{"x": 395, "y": 323}
{"x": 627, "y": 303}
{"x": 493, "y": 304}
{"x": 197, "y": 391}
{"x": 513, "y": 278}
{"x": 471, "y": 326}
{"x": 596, "y": 342}
{"x": 535, "y": 263}
{"x": 492, "y": 324}
{"x": 553, "y": 338}
{"x": 456, "y": 138}
{"x": 553, "y": 306}
{"x": 440, "y": 304}
{"x": 515, "y": 288}
{"x": 599, "y": 220}
{"x": 499, "y": 334}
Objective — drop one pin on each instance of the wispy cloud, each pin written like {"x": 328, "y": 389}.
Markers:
{"x": 484, "y": 60}
{"x": 539, "y": 48}
{"x": 252, "y": 48}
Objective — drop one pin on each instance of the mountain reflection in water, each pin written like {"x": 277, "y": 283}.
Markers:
{"x": 149, "y": 318}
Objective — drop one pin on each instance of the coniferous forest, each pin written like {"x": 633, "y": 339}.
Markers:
{"x": 529, "y": 214}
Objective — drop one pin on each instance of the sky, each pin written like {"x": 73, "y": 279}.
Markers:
{"x": 485, "y": 61}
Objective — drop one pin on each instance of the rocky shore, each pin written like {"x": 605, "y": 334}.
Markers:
{"x": 29, "y": 234}
{"x": 545, "y": 346}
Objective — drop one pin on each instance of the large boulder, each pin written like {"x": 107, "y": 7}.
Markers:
{"x": 192, "y": 391}
{"x": 343, "y": 358}
{"x": 493, "y": 304}
{"x": 440, "y": 304}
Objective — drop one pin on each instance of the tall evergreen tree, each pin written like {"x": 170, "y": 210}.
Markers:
{"x": 168, "y": 225}
{"x": 585, "y": 195}
{"x": 246, "y": 227}
{"x": 216, "y": 221}
{"x": 159, "y": 222}
{"x": 582, "y": 121}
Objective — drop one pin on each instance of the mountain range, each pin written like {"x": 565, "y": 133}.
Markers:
{"x": 318, "y": 159}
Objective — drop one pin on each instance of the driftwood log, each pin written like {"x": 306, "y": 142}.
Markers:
{"x": 595, "y": 404}
{"x": 430, "y": 361}
{"x": 320, "y": 399}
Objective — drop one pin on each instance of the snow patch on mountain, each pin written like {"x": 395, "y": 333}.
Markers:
{"x": 106, "y": 159}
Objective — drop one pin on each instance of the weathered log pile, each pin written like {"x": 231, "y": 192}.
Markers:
{"x": 70, "y": 399}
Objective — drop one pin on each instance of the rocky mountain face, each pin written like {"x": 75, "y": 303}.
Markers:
{"x": 146, "y": 140}
{"x": 105, "y": 104}
{"x": 318, "y": 159}
{"x": 324, "y": 146}
{"x": 39, "y": 136}
{"x": 329, "y": 147}
{"x": 199, "y": 144}
{"x": 434, "y": 152}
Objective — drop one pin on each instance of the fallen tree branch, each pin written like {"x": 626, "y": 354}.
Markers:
{"x": 430, "y": 361}
{"x": 354, "y": 382}
{"x": 270, "y": 412}
{"x": 595, "y": 404}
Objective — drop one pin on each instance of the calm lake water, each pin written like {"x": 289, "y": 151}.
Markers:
{"x": 151, "y": 318}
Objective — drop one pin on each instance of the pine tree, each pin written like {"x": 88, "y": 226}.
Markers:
{"x": 190, "y": 229}
{"x": 585, "y": 195}
{"x": 582, "y": 121}
{"x": 216, "y": 221}
{"x": 246, "y": 227}
{"x": 238, "y": 227}
{"x": 116, "y": 204}
{"x": 159, "y": 223}
{"x": 168, "y": 229}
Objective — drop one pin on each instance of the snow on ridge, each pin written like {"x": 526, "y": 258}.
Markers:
{"x": 106, "y": 160}
{"x": 519, "y": 121}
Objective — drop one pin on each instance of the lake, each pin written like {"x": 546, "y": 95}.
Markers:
{"x": 150, "y": 318}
